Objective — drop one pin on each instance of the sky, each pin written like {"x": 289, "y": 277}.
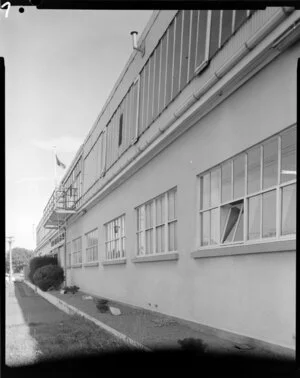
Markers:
{"x": 60, "y": 67}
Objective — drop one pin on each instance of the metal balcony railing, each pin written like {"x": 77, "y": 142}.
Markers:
{"x": 61, "y": 203}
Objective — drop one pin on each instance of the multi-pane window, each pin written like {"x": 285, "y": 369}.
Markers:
{"x": 157, "y": 225}
{"x": 91, "y": 239}
{"x": 69, "y": 254}
{"x": 251, "y": 196}
{"x": 77, "y": 251}
{"x": 115, "y": 239}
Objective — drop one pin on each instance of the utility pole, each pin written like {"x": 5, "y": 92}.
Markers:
{"x": 10, "y": 239}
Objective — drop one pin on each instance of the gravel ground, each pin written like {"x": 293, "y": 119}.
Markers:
{"x": 158, "y": 331}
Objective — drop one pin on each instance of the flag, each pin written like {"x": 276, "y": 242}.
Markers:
{"x": 59, "y": 163}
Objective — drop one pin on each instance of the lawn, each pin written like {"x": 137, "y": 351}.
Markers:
{"x": 75, "y": 336}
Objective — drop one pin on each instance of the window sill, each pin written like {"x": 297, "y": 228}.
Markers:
{"x": 245, "y": 249}
{"x": 114, "y": 262}
{"x": 94, "y": 263}
{"x": 152, "y": 258}
{"x": 76, "y": 266}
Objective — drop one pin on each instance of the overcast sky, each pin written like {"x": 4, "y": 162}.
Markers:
{"x": 60, "y": 69}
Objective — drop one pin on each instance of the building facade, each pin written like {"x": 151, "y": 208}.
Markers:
{"x": 182, "y": 198}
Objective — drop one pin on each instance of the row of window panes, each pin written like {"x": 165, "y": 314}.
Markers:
{"x": 260, "y": 164}
{"x": 229, "y": 219}
{"x": 187, "y": 43}
{"x": 191, "y": 39}
{"x": 153, "y": 227}
{"x": 256, "y": 170}
{"x": 115, "y": 239}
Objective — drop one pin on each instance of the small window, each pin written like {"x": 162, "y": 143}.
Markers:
{"x": 115, "y": 239}
{"x": 157, "y": 225}
{"x": 120, "y": 129}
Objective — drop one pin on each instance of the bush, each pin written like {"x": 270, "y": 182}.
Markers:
{"x": 102, "y": 305}
{"x": 70, "y": 289}
{"x": 38, "y": 262}
{"x": 47, "y": 276}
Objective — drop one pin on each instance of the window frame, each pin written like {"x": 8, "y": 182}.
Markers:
{"x": 91, "y": 247}
{"x": 155, "y": 225}
{"x": 121, "y": 238}
{"x": 278, "y": 188}
{"x": 77, "y": 252}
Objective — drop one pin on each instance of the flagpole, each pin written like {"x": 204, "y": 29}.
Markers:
{"x": 54, "y": 162}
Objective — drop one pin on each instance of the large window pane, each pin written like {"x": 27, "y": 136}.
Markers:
{"x": 141, "y": 102}
{"x": 239, "y": 176}
{"x": 141, "y": 243}
{"x": 160, "y": 239}
{"x": 214, "y": 32}
{"x": 288, "y": 210}
{"x": 176, "y": 73}
{"x": 156, "y": 81}
{"x": 162, "y": 90}
{"x": 215, "y": 186}
{"x": 226, "y": 25}
{"x": 288, "y": 155}
{"x": 194, "y": 21}
{"x": 172, "y": 205}
{"x": 201, "y": 40}
{"x": 239, "y": 233}
{"x": 151, "y": 85}
{"x": 269, "y": 214}
{"x": 240, "y": 17}
{"x": 254, "y": 206}
{"x": 205, "y": 191}
{"x": 160, "y": 207}
{"x": 172, "y": 236}
{"x": 205, "y": 228}
{"x": 146, "y": 96}
{"x": 214, "y": 226}
{"x": 270, "y": 163}
{"x": 170, "y": 64}
{"x": 226, "y": 182}
{"x": 149, "y": 241}
{"x": 185, "y": 48}
{"x": 149, "y": 215}
{"x": 253, "y": 167}
{"x": 231, "y": 222}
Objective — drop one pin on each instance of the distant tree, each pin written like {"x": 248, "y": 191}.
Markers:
{"x": 20, "y": 258}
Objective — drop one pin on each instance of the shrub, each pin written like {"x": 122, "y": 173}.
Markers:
{"x": 70, "y": 289}
{"x": 47, "y": 276}
{"x": 102, "y": 305}
{"x": 38, "y": 262}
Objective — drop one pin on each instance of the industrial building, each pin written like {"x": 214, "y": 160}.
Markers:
{"x": 182, "y": 197}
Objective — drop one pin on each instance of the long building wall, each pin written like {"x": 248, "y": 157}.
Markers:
{"x": 251, "y": 294}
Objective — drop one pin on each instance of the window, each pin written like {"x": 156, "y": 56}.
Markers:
{"x": 120, "y": 129}
{"x": 77, "y": 251}
{"x": 157, "y": 225}
{"x": 92, "y": 246}
{"x": 69, "y": 254}
{"x": 115, "y": 239}
{"x": 247, "y": 199}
